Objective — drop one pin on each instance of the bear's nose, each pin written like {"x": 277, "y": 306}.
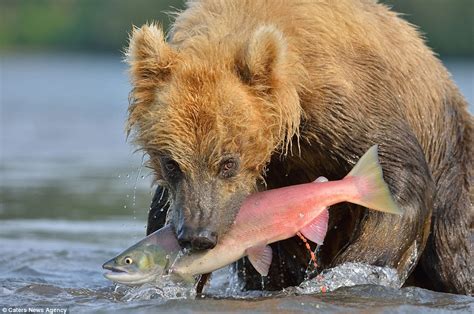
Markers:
{"x": 197, "y": 240}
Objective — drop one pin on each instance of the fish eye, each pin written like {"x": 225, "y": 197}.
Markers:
{"x": 128, "y": 260}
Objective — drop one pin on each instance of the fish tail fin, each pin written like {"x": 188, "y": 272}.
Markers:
{"x": 374, "y": 192}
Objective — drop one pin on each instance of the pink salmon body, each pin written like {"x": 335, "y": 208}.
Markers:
{"x": 278, "y": 214}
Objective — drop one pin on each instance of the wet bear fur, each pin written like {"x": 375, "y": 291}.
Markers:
{"x": 281, "y": 92}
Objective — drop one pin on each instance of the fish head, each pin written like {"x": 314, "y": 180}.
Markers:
{"x": 145, "y": 261}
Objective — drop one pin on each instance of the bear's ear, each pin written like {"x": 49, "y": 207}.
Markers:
{"x": 262, "y": 58}
{"x": 150, "y": 59}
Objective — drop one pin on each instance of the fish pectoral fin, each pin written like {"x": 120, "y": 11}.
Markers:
{"x": 260, "y": 257}
{"x": 182, "y": 278}
{"x": 316, "y": 230}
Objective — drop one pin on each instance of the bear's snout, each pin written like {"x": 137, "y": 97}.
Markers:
{"x": 197, "y": 239}
{"x": 203, "y": 210}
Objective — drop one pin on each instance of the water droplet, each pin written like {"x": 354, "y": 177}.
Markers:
{"x": 128, "y": 196}
{"x": 301, "y": 215}
{"x": 119, "y": 176}
{"x": 124, "y": 206}
{"x": 294, "y": 256}
{"x": 335, "y": 227}
{"x": 128, "y": 176}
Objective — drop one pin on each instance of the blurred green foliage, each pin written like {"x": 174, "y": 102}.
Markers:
{"x": 448, "y": 25}
{"x": 103, "y": 25}
{"x": 100, "y": 25}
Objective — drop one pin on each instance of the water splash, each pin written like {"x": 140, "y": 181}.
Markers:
{"x": 350, "y": 274}
{"x": 164, "y": 289}
{"x": 161, "y": 198}
{"x": 139, "y": 174}
{"x": 311, "y": 269}
{"x": 234, "y": 284}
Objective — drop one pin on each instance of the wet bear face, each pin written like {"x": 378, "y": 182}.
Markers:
{"x": 209, "y": 119}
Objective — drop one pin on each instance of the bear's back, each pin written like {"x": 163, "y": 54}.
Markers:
{"x": 351, "y": 51}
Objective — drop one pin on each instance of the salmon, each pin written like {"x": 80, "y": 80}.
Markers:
{"x": 272, "y": 216}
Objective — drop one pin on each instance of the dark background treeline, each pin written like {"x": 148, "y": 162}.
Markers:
{"x": 102, "y": 25}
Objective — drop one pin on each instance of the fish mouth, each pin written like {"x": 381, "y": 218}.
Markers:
{"x": 115, "y": 269}
{"x": 121, "y": 275}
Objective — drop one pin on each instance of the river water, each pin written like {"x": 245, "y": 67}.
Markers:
{"x": 73, "y": 194}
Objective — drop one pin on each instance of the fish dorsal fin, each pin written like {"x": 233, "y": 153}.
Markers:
{"x": 260, "y": 257}
{"x": 321, "y": 179}
{"x": 316, "y": 230}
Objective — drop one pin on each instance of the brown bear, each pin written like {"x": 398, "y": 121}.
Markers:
{"x": 251, "y": 95}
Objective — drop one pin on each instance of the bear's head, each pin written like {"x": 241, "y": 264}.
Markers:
{"x": 210, "y": 113}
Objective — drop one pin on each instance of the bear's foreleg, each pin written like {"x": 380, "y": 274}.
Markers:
{"x": 158, "y": 210}
{"x": 392, "y": 240}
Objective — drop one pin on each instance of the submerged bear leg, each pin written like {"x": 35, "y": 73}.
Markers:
{"x": 393, "y": 240}
{"x": 361, "y": 235}
{"x": 447, "y": 257}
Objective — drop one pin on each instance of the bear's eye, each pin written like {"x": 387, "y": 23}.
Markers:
{"x": 229, "y": 168}
{"x": 170, "y": 168}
